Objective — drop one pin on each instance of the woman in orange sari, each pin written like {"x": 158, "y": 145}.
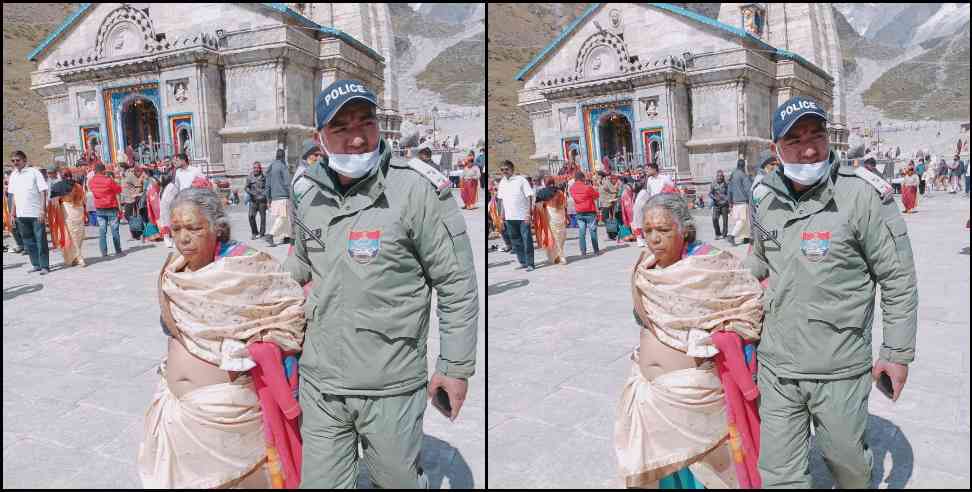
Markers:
{"x": 469, "y": 187}
{"x": 55, "y": 223}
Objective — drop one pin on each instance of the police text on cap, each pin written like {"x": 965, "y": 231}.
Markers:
{"x": 343, "y": 91}
{"x": 796, "y": 106}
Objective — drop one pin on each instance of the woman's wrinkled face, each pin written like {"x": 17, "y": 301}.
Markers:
{"x": 663, "y": 236}
{"x": 193, "y": 236}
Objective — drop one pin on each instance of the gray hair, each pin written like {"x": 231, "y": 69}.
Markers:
{"x": 678, "y": 208}
{"x": 210, "y": 205}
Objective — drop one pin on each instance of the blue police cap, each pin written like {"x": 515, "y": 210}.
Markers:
{"x": 791, "y": 111}
{"x": 336, "y": 95}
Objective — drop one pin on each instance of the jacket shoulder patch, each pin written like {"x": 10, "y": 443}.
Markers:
{"x": 759, "y": 193}
{"x": 438, "y": 180}
{"x": 884, "y": 189}
{"x": 301, "y": 186}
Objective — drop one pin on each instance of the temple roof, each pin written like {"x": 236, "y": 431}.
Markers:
{"x": 735, "y": 31}
{"x": 278, "y": 7}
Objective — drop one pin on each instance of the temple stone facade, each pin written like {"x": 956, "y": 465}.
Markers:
{"x": 659, "y": 83}
{"x": 227, "y": 83}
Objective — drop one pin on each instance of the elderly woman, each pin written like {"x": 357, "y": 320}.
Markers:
{"x": 204, "y": 427}
{"x": 698, "y": 309}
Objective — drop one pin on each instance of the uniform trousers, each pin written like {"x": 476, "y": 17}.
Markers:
{"x": 389, "y": 429}
{"x": 838, "y": 409}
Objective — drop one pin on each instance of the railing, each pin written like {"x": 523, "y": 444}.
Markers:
{"x": 629, "y": 162}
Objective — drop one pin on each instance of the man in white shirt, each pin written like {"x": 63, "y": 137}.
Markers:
{"x": 185, "y": 174}
{"x": 514, "y": 198}
{"x": 654, "y": 184}
{"x": 28, "y": 210}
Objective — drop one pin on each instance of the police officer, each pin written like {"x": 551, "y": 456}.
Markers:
{"x": 836, "y": 233}
{"x": 377, "y": 237}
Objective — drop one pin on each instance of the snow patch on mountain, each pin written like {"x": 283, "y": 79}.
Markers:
{"x": 949, "y": 17}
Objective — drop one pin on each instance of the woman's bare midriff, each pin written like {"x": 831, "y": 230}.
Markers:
{"x": 655, "y": 358}
{"x": 186, "y": 372}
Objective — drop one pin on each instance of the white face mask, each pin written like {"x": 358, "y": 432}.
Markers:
{"x": 352, "y": 165}
{"x": 805, "y": 174}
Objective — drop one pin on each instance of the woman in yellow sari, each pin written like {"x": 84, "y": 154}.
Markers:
{"x": 554, "y": 210}
{"x": 72, "y": 205}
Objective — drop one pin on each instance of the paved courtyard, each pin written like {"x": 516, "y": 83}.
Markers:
{"x": 560, "y": 339}
{"x": 80, "y": 352}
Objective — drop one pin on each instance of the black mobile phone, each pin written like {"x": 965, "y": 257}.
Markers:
{"x": 884, "y": 386}
{"x": 441, "y": 402}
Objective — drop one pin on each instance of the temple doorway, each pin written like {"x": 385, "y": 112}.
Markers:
{"x": 140, "y": 125}
{"x": 615, "y": 138}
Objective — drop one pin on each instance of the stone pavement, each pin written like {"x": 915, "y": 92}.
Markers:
{"x": 560, "y": 339}
{"x": 80, "y": 352}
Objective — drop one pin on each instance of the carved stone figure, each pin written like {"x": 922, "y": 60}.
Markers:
{"x": 180, "y": 92}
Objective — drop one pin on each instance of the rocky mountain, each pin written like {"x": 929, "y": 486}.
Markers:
{"x": 441, "y": 49}
{"x": 869, "y": 18}
{"x": 921, "y": 22}
{"x": 516, "y": 33}
{"x": 24, "y": 113}
{"x": 906, "y": 62}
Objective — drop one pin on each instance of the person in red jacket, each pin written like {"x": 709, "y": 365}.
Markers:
{"x": 585, "y": 197}
{"x": 105, "y": 191}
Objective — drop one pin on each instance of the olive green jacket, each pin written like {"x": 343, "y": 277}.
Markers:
{"x": 389, "y": 241}
{"x": 839, "y": 240}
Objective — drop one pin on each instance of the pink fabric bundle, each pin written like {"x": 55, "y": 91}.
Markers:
{"x": 280, "y": 409}
{"x": 741, "y": 411}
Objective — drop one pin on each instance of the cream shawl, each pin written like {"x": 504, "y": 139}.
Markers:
{"x": 679, "y": 418}
{"x": 234, "y": 301}
{"x": 686, "y": 301}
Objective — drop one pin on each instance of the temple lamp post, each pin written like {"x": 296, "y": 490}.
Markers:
{"x": 435, "y": 112}
{"x": 878, "y": 138}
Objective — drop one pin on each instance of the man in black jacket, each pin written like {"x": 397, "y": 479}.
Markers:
{"x": 256, "y": 188}
{"x": 719, "y": 196}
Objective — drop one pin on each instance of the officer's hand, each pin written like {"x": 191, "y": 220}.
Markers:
{"x": 454, "y": 387}
{"x": 897, "y": 372}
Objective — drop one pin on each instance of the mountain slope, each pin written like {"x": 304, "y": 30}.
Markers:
{"x": 515, "y": 34}
{"x": 24, "y": 113}
{"x": 457, "y": 72}
{"x": 934, "y": 84}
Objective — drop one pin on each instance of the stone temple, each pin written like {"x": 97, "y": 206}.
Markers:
{"x": 660, "y": 83}
{"x": 228, "y": 83}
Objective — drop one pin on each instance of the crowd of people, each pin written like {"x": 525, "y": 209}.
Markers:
{"x": 234, "y": 408}
{"x": 694, "y": 411}
{"x": 61, "y": 201}
{"x": 615, "y": 200}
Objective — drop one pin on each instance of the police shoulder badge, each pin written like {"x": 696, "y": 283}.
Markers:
{"x": 883, "y": 187}
{"x": 815, "y": 245}
{"x": 363, "y": 246}
{"x": 439, "y": 180}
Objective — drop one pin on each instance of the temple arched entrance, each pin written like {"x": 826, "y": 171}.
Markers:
{"x": 615, "y": 136}
{"x": 140, "y": 124}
